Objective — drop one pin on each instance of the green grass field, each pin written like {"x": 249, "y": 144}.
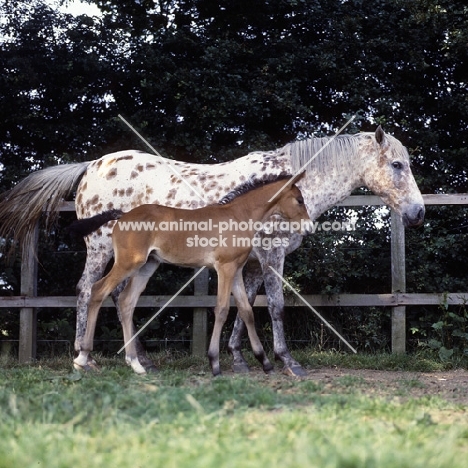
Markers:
{"x": 182, "y": 417}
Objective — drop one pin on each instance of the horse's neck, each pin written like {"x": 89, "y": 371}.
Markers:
{"x": 329, "y": 181}
{"x": 321, "y": 195}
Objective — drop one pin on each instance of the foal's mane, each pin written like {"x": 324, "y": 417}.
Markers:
{"x": 251, "y": 184}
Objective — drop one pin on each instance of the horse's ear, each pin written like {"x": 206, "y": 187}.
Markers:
{"x": 379, "y": 135}
{"x": 297, "y": 177}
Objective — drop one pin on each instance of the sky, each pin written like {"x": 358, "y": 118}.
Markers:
{"x": 76, "y": 7}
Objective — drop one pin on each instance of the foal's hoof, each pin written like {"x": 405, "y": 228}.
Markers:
{"x": 294, "y": 371}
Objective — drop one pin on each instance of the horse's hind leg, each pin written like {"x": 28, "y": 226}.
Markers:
{"x": 253, "y": 279}
{"x": 96, "y": 262}
{"x": 127, "y": 302}
{"x": 246, "y": 313}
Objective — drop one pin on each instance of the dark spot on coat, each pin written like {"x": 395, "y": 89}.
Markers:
{"x": 171, "y": 194}
{"x": 123, "y": 158}
{"x": 111, "y": 174}
{"x": 92, "y": 202}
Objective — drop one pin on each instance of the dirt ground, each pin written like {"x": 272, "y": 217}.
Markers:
{"x": 450, "y": 385}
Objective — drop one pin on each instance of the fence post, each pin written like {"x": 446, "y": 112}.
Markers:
{"x": 28, "y": 315}
{"x": 398, "y": 282}
{"x": 200, "y": 314}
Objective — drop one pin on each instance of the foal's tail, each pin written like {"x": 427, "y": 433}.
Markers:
{"x": 22, "y": 206}
{"x": 84, "y": 227}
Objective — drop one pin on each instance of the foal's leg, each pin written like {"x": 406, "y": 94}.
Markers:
{"x": 142, "y": 356}
{"x": 127, "y": 302}
{"x": 274, "y": 290}
{"x": 253, "y": 279}
{"x": 226, "y": 274}
{"x": 246, "y": 314}
{"x": 99, "y": 292}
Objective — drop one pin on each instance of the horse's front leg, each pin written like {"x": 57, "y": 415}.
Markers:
{"x": 275, "y": 298}
{"x": 246, "y": 313}
{"x": 253, "y": 279}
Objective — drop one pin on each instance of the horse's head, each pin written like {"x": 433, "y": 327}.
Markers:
{"x": 388, "y": 175}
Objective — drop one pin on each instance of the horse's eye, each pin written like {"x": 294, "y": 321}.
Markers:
{"x": 300, "y": 200}
{"x": 397, "y": 165}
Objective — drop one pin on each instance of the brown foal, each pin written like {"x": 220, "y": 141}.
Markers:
{"x": 149, "y": 235}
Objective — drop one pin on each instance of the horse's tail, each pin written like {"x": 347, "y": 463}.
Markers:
{"x": 84, "y": 227}
{"x": 22, "y": 206}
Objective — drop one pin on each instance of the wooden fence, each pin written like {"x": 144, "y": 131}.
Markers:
{"x": 398, "y": 299}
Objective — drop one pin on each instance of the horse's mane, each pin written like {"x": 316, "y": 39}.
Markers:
{"x": 334, "y": 153}
{"x": 328, "y": 153}
{"x": 251, "y": 184}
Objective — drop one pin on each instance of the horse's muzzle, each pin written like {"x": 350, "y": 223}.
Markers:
{"x": 413, "y": 216}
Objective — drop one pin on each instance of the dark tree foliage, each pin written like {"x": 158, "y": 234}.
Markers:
{"x": 209, "y": 81}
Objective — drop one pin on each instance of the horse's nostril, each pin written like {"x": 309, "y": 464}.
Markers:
{"x": 421, "y": 213}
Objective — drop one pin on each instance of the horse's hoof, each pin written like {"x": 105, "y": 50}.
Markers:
{"x": 151, "y": 368}
{"x": 240, "y": 368}
{"x": 90, "y": 366}
{"x": 269, "y": 370}
{"x": 295, "y": 371}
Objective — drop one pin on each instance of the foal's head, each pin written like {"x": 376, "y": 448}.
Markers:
{"x": 287, "y": 201}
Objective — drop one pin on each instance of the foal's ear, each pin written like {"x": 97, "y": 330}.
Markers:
{"x": 297, "y": 177}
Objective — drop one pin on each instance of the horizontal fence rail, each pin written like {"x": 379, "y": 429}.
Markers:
{"x": 316, "y": 300}
{"x": 398, "y": 299}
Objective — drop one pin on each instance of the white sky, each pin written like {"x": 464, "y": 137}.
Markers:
{"x": 76, "y": 7}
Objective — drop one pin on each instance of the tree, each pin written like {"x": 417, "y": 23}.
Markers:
{"x": 210, "y": 81}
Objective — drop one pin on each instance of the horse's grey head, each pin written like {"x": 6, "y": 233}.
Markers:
{"x": 388, "y": 175}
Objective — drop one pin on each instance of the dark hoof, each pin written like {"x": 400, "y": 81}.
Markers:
{"x": 147, "y": 363}
{"x": 296, "y": 371}
{"x": 269, "y": 370}
{"x": 151, "y": 368}
{"x": 240, "y": 368}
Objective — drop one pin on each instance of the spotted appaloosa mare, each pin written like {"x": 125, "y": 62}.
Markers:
{"x": 127, "y": 179}
{"x": 142, "y": 239}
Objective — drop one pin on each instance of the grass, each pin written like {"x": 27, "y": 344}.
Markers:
{"x": 182, "y": 417}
